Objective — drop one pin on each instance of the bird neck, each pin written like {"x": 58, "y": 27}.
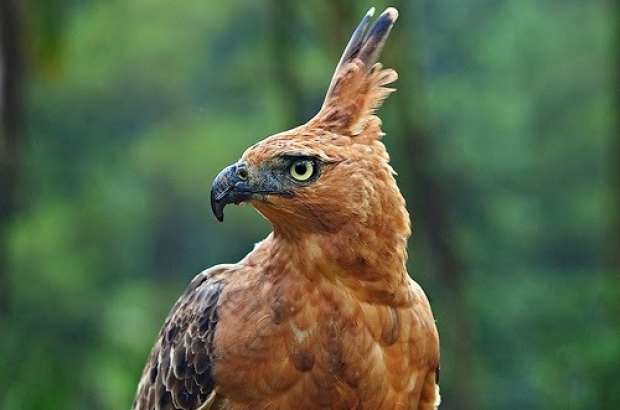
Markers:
{"x": 368, "y": 257}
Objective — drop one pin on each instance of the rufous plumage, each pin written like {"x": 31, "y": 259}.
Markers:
{"x": 322, "y": 314}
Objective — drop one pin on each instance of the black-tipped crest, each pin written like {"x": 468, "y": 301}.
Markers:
{"x": 356, "y": 40}
{"x": 367, "y": 45}
{"x": 358, "y": 86}
{"x": 376, "y": 36}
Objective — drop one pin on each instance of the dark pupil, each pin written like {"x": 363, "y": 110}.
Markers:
{"x": 301, "y": 168}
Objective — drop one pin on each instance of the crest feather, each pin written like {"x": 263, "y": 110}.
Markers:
{"x": 358, "y": 87}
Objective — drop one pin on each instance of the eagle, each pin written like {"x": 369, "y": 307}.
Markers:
{"x": 322, "y": 313}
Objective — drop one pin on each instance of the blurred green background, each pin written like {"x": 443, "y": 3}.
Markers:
{"x": 118, "y": 114}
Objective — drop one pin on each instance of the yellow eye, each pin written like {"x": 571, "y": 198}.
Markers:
{"x": 302, "y": 170}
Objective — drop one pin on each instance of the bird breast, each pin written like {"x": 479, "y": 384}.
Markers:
{"x": 301, "y": 343}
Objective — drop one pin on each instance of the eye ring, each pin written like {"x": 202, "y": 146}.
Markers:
{"x": 242, "y": 173}
{"x": 302, "y": 170}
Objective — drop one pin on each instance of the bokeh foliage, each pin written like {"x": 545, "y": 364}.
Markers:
{"x": 133, "y": 107}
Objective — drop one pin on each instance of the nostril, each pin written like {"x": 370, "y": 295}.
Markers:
{"x": 242, "y": 173}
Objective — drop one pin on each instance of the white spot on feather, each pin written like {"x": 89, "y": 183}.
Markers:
{"x": 412, "y": 382}
{"x": 300, "y": 334}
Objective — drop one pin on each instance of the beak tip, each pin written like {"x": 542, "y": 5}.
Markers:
{"x": 228, "y": 188}
{"x": 217, "y": 208}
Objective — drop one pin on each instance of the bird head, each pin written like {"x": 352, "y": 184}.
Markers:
{"x": 333, "y": 171}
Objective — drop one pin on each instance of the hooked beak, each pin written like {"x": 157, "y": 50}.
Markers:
{"x": 230, "y": 186}
{"x": 236, "y": 184}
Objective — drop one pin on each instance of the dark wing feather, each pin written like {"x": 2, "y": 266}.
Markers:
{"x": 178, "y": 374}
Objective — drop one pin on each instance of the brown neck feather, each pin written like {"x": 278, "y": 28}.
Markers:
{"x": 367, "y": 255}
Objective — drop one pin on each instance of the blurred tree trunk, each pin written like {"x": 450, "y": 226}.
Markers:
{"x": 10, "y": 112}
{"x": 614, "y": 249}
{"x": 430, "y": 195}
{"x": 340, "y": 19}
{"x": 285, "y": 57}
